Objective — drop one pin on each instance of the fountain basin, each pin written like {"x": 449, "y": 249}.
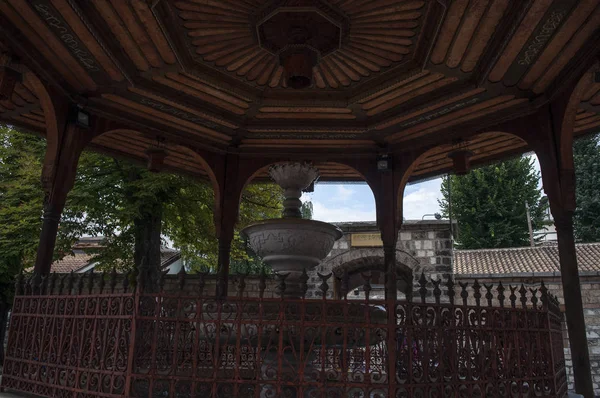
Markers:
{"x": 291, "y": 244}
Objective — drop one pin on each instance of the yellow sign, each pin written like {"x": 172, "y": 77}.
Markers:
{"x": 366, "y": 239}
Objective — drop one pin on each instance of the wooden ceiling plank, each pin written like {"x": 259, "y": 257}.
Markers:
{"x": 298, "y": 109}
{"x": 530, "y": 21}
{"x": 348, "y": 71}
{"x": 368, "y": 49}
{"x": 454, "y": 115}
{"x": 412, "y": 94}
{"x": 209, "y": 44}
{"x": 395, "y": 48}
{"x": 328, "y": 76}
{"x": 590, "y": 92}
{"x": 371, "y": 66}
{"x": 237, "y": 6}
{"x": 221, "y": 31}
{"x": 487, "y": 26}
{"x": 339, "y": 74}
{"x": 231, "y": 57}
{"x": 302, "y": 115}
{"x": 206, "y": 16}
{"x": 394, "y": 86}
{"x": 218, "y": 90}
{"x": 382, "y": 33}
{"x": 276, "y": 77}
{"x": 262, "y": 70}
{"x": 582, "y": 114}
{"x": 46, "y": 42}
{"x": 569, "y": 52}
{"x": 165, "y": 116}
{"x": 253, "y": 56}
{"x": 219, "y": 56}
{"x": 404, "y": 16}
{"x": 32, "y": 116}
{"x": 471, "y": 116}
{"x": 191, "y": 88}
{"x": 141, "y": 144}
{"x": 212, "y": 7}
{"x": 175, "y": 104}
{"x": 399, "y": 40}
{"x": 138, "y": 34}
{"x": 471, "y": 20}
{"x": 121, "y": 33}
{"x": 86, "y": 37}
{"x": 449, "y": 28}
{"x": 438, "y": 105}
{"x": 30, "y": 122}
{"x": 156, "y": 35}
{"x": 558, "y": 42}
{"x": 25, "y": 93}
{"x": 261, "y": 60}
{"x": 587, "y": 126}
{"x": 401, "y": 88}
{"x": 387, "y": 8}
{"x": 391, "y": 25}
{"x": 349, "y": 63}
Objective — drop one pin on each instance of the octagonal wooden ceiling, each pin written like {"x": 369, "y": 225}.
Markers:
{"x": 406, "y": 73}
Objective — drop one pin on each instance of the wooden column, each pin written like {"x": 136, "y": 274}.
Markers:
{"x": 226, "y": 218}
{"x": 552, "y": 141}
{"x": 58, "y": 178}
{"x": 386, "y": 221}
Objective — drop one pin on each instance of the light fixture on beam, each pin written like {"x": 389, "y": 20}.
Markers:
{"x": 8, "y": 80}
{"x": 384, "y": 162}
{"x": 461, "y": 161}
{"x": 156, "y": 156}
{"x": 80, "y": 117}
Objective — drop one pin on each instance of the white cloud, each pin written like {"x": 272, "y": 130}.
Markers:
{"x": 332, "y": 213}
{"x": 343, "y": 194}
{"x": 422, "y": 199}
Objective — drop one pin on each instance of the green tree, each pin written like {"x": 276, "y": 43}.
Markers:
{"x": 307, "y": 210}
{"x": 118, "y": 200}
{"x": 586, "y": 156}
{"x": 489, "y": 204}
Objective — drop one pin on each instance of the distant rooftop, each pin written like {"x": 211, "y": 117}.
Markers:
{"x": 523, "y": 261}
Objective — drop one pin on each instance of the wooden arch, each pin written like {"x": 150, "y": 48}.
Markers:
{"x": 435, "y": 159}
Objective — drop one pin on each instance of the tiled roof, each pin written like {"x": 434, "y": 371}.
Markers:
{"x": 71, "y": 263}
{"x": 523, "y": 260}
{"x": 78, "y": 260}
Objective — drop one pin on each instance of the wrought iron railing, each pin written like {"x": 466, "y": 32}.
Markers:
{"x": 84, "y": 337}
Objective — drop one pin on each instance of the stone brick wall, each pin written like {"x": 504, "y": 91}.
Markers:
{"x": 426, "y": 247}
{"x": 590, "y": 286}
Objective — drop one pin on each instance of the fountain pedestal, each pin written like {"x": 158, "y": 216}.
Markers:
{"x": 292, "y": 245}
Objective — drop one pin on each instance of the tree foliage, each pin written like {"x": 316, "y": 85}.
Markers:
{"x": 586, "y": 156}
{"x": 489, "y": 204}
{"x": 108, "y": 196}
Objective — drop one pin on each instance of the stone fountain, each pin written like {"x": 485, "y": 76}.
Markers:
{"x": 292, "y": 245}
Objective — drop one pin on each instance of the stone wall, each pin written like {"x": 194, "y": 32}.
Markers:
{"x": 424, "y": 246}
{"x": 590, "y": 286}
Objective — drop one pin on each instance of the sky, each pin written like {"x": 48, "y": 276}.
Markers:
{"x": 355, "y": 202}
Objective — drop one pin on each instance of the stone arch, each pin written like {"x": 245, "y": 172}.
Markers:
{"x": 371, "y": 260}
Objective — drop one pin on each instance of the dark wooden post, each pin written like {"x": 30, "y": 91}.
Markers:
{"x": 58, "y": 178}
{"x": 552, "y": 141}
{"x": 226, "y": 218}
{"x": 386, "y": 221}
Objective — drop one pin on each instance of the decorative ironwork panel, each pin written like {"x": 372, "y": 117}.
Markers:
{"x": 66, "y": 346}
{"x": 473, "y": 342}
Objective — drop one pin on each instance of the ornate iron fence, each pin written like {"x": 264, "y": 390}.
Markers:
{"x": 77, "y": 338}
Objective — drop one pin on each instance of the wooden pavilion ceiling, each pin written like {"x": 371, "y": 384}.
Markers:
{"x": 405, "y": 73}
